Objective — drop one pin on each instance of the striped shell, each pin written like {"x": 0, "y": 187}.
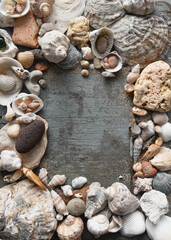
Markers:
{"x": 57, "y": 180}
{"x": 43, "y": 175}
{"x": 141, "y": 39}
{"x": 59, "y": 203}
{"x": 25, "y": 58}
{"x": 7, "y": 83}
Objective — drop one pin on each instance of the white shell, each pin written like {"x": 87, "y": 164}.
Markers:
{"x": 134, "y": 74}
{"x": 23, "y": 96}
{"x": 147, "y": 129}
{"x": 7, "y": 83}
{"x": 26, "y": 118}
{"x": 154, "y": 204}
{"x": 67, "y": 190}
{"x": 59, "y": 204}
{"x": 108, "y": 74}
{"x": 32, "y": 82}
{"x": 161, "y": 230}
{"x": 118, "y": 67}
{"x": 139, "y": 7}
{"x": 98, "y": 225}
{"x": 15, "y": 15}
{"x": 57, "y": 180}
{"x": 10, "y": 161}
{"x": 162, "y": 160}
{"x": 133, "y": 224}
{"x": 166, "y": 132}
{"x": 59, "y": 217}
{"x": 21, "y": 73}
{"x": 63, "y": 11}
{"x": 45, "y": 27}
{"x": 87, "y": 53}
{"x": 43, "y": 175}
{"x": 13, "y": 130}
{"x": 116, "y": 224}
{"x": 142, "y": 184}
{"x": 78, "y": 182}
{"x": 54, "y": 45}
{"x": 10, "y": 50}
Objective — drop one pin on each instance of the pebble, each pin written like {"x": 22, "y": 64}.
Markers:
{"x": 105, "y": 60}
{"x": 13, "y": 130}
{"x": 91, "y": 66}
{"x": 85, "y": 64}
{"x": 76, "y": 207}
{"x": 113, "y": 61}
{"x": 106, "y": 65}
{"x": 42, "y": 83}
{"x": 97, "y": 63}
{"x": 41, "y": 66}
{"x": 85, "y": 73}
{"x": 148, "y": 170}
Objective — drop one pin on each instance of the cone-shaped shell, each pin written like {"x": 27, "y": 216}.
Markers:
{"x": 162, "y": 182}
{"x": 43, "y": 175}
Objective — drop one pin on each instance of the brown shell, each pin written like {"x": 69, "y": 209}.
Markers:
{"x": 42, "y": 8}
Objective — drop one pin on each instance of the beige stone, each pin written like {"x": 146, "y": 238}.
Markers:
{"x": 162, "y": 160}
{"x": 153, "y": 87}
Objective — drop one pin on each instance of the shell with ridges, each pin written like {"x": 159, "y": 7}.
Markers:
{"x": 78, "y": 182}
{"x": 139, "y": 7}
{"x": 7, "y": 83}
{"x": 57, "y": 180}
{"x": 59, "y": 203}
{"x": 162, "y": 182}
{"x": 142, "y": 184}
{"x": 42, "y": 8}
{"x": 43, "y": 175}
{"x": 9, "y": 160}
{"x": 116, "y": 224}
{"x": 138, "y": 144}
{"x": 25, "y": 58}
{"x": 98, "y": 225}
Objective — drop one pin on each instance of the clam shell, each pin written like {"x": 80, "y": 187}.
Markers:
{"x": 133, "y": 224}
{"x": 134, "y": 36}
{"x": 26, "y": 58}
{"x": 162, "y": 160}
{"x": 7, "y": 83}
{"x": 162, "y": 182}
{"x": 119, "y": 65}
{"x": 15, "y": 15}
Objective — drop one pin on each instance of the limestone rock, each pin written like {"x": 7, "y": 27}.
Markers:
{"x": 26, "y": 212}
{"x": 153, "y": 87}
{"x": 162, "y": 160}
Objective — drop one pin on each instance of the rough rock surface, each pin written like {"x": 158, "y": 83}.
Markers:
{"x": 153, "y": 87}
{"x": 26, "y": 212}
{"x": 162, "y": 160}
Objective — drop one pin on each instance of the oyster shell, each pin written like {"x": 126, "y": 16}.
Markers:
{"x": 162, "y": 182}
{"x": 141, "y": 39}
{"x": 102, "y": 13}
{"x": 10, "y": 49}
{"x": 139, "y": 7}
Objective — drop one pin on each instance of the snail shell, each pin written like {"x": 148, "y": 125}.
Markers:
{"x": 59, "y": 203}
{"x": 57, "y": 180}
{"x": 43, "y": 175}
{"x": 98, "y": 225}
{"x": 26, "y": 58}
{"x": 7, "y": 83}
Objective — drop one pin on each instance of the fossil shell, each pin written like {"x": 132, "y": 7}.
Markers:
{"x": 162, "y": 182}
{"x": 154, "y": 204}
{"x": 139, "y": 7}
{"x": 67, "y": 190}
{"x": 9, "y": 160}
{"x": 98, "y": 225}
{"x": 162, "y": 160}
{"x": 103, "y": 13}
{"x": 134, "y": 74}
{"x": 42, "y": 8}
{"x": 57, "y": 180}
{"x": 133, "y": 224}
{"x": 119, "y": 64}
{"x": 101, "y": 41}
{"x": 142, "y": 185}
{"x": 147, "y": 129}
{"x": 59, "y": 203}
{"x": 10, "y": 50}
{"x": 7, "y": 83}
{"x": 76, "y": 207}
{"x": 78, "y": 182}
{"x": 71, "y": 228}
{"x": 25, "y": 58}
{"x": 95, "y": 200}
{"x": 160, "y": 118}
{"x": 120, "y": 199}
{"x": 138, "y": 144}
{"x": 43, "y": 175}
{"x": 13, "y": 130}
{"x": 161, "y": 230}
{"x": 63, "y": 11}
{"x": 116, "y": 224}
{"x": 134, "y": 36}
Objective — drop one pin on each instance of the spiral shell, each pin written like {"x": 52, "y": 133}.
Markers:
{"x": 67, "y": 190}
{"x": 57, "y": 180}
{"x": 116, "y": 224}
{"x": 43, "y": 175}
{"x": 26, "y": 58}
{"x": 7, "y": 83}
{"x": 98, "y": 225}
{"x": 59, "y": 203}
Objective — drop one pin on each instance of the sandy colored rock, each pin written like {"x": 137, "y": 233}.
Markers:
{"x": 153, "y": 87}
{"x": 26, "y": 212}
{"x": 26, "y": 31}
{"x": 162, "y": 160}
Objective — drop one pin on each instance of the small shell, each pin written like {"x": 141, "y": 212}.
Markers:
{"x": 13, "y": 130}
{"x": 43, "y": 175}
{"x": 129, "y": 88}
{"x": 85, "y": 64}
{"x": 117, "y": 66}
{"x": 26, "y": 58}
{"x": 42, "y": 8}
{"x": 26, "y": 118}
{"x": 160, "y": 118}
{"x": 76, "y": 207}
{"x": 7, "y": 83}
{"x": 87, "y": 53}
{"x": 98, "y": 225}
{"x": 67, "y": 190}
{"x": 148, "y": 130}
{"x": 97, "y": 63}
{"x": 116, "y": 224}
{"x": 138, "y": 174}
{"x": 79, "y": 182}
{"x": 85, "y": 73}
{"x": 152, "y": 150}
{"x": 133, "y": 224}
{"x": 59, "y": 217}
{"x": 59, "y": 203}
{"x": 10, "y": 9}
{"x": 137, "y": 167}
{"x": 10, "y": 161}
{"x": 162, "y": 182}
{"x": 166, "y": 132}
{"x": 134, "y": 74}
{"x": 42, "y": 83}
{"x": 71, "y": 228}
{"x": 162, "y": 160}
{"x": 22, "y": 106}
{"x": 22, "y": 73}
{"x": 108, "y": 74}
{"x": 138, "y": 144}
{"x": 34, "y": 105}
{"x": 10, "y": 113}
{"x": 139, "y": 111}
{"x": 19, "y": 8}
{"x": 142, "y": 185}
{"x": 57, "y": 180}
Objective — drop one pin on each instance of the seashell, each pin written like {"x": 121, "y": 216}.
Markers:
{"x": 78, "y": 31}
{"x": 85, "y": 73}
{"x": 26, "y": 118}
{"x": 139, "y": 111}
{"x": 42, "y": 8}
{"x": 59, "y": 217}
{"x": 13, "y": 130}
{"x": 129, "y": 88}
{"x": 120, "y": 199}
{"x": 19, "y": 8}
{"x": 134, "y": 74}
{"x": 64, "y": 11}
{"x": 92, "y": 66}
{"x": 162, "y": 182}
{"x": 148, "y": 170}
{"x": 67, "y": 190}
{"x": 71, "y": 228}
{"x": 8, "y": 49}
{"x": 22, "y": 106}
{"x": 147, "y": 129}
{"x": 10, "y": 9}
{"x": 78, "y": 182}
{"x": 165, "y": 132}
{"x": 142, "y": 185}
{"x": 161, "y": 230}
{"x": 87, "y": 53}
{"x": 139, "y": 7}
{"x": 162, "y": 160}
{"x": 76, "y": 207}
{"x": 10, "y": 113}
{"x": 59, "y": 203}
{"x": 43, "y": 175}
{"x": 108, "y": 74}
{"x": 101, "y": 42}
{"x": 118, "y": 65}
{"x": 134, "y": 36}
{"x": 103, "y": 13}
{"x": 137, "y": 167}
{"x": 54, "y": 45}
{"x": 160, "y": 118}
{"x": 138, "y": 144}
{"x": 42, "y": 83}
{"x": 154, "y": 204}
{"x": 25, "y": 58}
{"x": 153, "y": 149}
{"x": 98, "y": 225}
{"x": 95, "y": 200}
{"x": 34, "y": 105}
{"x": 21, "y": 73}
{"x": 72, "y": 60}
{"x": 116, "y": 224}
{"x": 133, "y": 224}
{"x": 31, "y": 83}
{"x": 7, "y": 83}
{"x": 138, "y": 174}
{"x": 45, "y": 27}
{"x": 97, "y": 63}
{"x": 85, "y": 64}
{"x": 57, "y": 180}
{"x": 9, "y": 160}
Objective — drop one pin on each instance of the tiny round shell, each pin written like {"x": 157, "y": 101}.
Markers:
{"x": 26, "y": 58}
{"x": 13, "y": 130}
{"x": 57, "y": 180}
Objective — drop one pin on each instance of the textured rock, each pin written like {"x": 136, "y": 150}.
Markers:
{"x": 162, "y": 160}
{"x": 153, "y": 87}
{"x": 148, "y": 170}
{"x": 26, "y": 30}
{"x": 26, "y": 212}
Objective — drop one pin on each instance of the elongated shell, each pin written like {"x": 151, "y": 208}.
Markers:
{"x": 25, "y": 58}
{"x": 134, "y": 36}
{"x": 10, "y": 161}
{"x": 134, "y": 74}
{"x": 79, "y": 182}
{"x": 57, "y": 180}
{"x": 162, "y": 182}
{"x": 98, "y": 225}
{"x": 138, "y": 144}
{"x": 139, "y": 7}
{"x": 59, "y": 203}
{"x": 43, "y": 175}
{"x": 71, "y": 228}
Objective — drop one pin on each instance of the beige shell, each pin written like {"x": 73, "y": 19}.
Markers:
{"x": 9, "y": 160}
{"x": 57, "y": 180}
{"x": 116, "y": 224}
{"x": 26, "y": 58}
{"x": 103, "y": 13}
{"x": 117, "y": 67}
{"x": 43, "y": 175}
{"x": 87, "y": 53}
{"x": 13, "y": 130}
{"x": 139, "y": 7}
{"x": 71, "y": 228}
{"x": 59, "y": 203}
{"x": 98, "y": 225}
{"x": 42, "y": 8}
{"x": 67, "y": 190}
{"x": 162, "y": 160}
{"x": 134, "y": 74}
{"x": 134, "y": 36}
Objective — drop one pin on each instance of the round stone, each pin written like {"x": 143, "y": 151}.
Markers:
{"x": 101, "y": 44}
{"x": 76, "y": 207}
{"x": 113, "y": 61}
{"x": 2, "y": 43}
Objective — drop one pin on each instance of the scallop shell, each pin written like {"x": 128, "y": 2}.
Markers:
{"x": 133, "y": 224}
{"x": 71, "y": 228}
{"x": 119, "y": 65}
{"x": 42, "y": 8}
{"x": 57, "y": 180}
{"x": 14, "y": 15}
{"x": 26, "y": 58}
{"x": 162, "y": 182}
{"x": 7, "y": 83}
{"x": 43, "y": 175}
{"x": 59, "y": 203}
{"x": 98, "y": 225}
{"x": 160, "y": 118}
{"x": 134, "y": 36}
{"x": 142, "y": 184}
{"x": 10, "y": 161}
{"x": 103, "y": 13}
{"x": 116, "y": 224}
{"x": 139, "y": 7}
{"x": 78, "y": 182}
{"x": 161, "y": 230}
{"x": 10, "y": 50}
{"x": 63, "y": 11}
